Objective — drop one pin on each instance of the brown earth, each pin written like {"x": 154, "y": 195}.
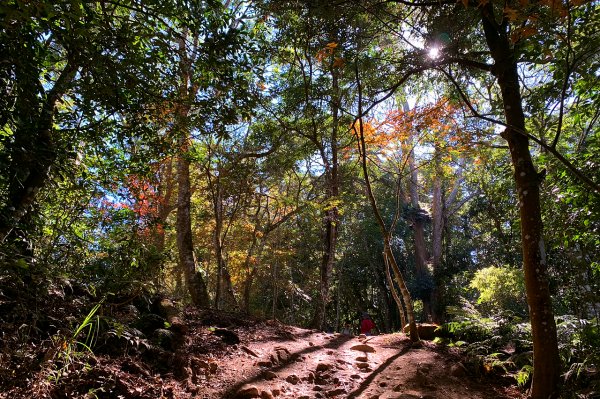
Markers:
{"x": 215, "y": 355}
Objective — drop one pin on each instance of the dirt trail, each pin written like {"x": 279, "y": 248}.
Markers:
{"x": 214, "y": 355}
{"x": 303, "y": 364}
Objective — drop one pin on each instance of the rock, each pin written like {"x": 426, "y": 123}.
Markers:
{"x": 269, "y": 375}
{"x": 213, "y": 367}
{"x": 458, "y": 370}
{"x": 228, "y": 336}
{"x": 265, "y": 363}
{"x": 247, "y": 392}
{"x": 309, "y": 378}
{"x": 283, "y": 355}
{"x": 266, "y": 395}
{"x": 363, "y": 348}
{"x": 355, "y": 377}
{"x": 323, "y": 367}
{"x": 336, "y": 392}
{"x": 361, "y": 359}
{"x": 292, "y": 379}
{"x": 362, "y": 365}
{"x": 426, "y": 331}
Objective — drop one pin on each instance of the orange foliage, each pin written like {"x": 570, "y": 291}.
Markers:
{"x": 440, "y": 124}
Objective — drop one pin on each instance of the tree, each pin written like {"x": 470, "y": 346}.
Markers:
{"x": 57, "y": 55}
{"x": 504, "y": 41}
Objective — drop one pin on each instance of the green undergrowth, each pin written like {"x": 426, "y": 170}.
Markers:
{"x": 502, "y": 344}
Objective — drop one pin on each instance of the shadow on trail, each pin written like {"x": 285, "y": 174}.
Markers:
{"x": 335, "y": 343}
{"x": 365, "y": 384}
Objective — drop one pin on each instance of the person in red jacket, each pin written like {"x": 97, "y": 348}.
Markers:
{"x": 366, "y": 324}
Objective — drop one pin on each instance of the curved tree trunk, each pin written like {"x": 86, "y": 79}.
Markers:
{"x": 397, "y": 299}
{"x": 546, "y": 360}
{"x": 33, "y": 151}
{"x": 362, "y": 150}
{"x": 413, "y": 332}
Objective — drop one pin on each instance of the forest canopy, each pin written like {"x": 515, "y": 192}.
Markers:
{"x": 422, "y": 161}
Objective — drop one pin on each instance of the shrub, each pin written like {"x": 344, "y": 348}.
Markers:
{"x": 500, "y": 289}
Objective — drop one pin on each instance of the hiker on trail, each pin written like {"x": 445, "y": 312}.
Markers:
{"x": 366, "y": 324}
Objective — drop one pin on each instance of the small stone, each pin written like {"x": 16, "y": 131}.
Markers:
{"x": 213, "y": 367}
{"x": 355, "y": 376}
{"x": 317, "y": 388}
{"x": 323, "y": 367}
{"x": 292, "y": 379}
{"x": 383, "y": 384}
{"x": 283, "y": 355}
{"x": 458, "y": 370}
{"x": 362, "y": 365}
{"x": 363, "y": 348}
{"x": 266, "y": 395}
{"x": 269, "y": 375}
{"x": 336, "y": 392}
{"x": 310, "y": 377}
{"x": 265, "y": 363}
{"x": 361, "y": 359}
{"x": 248, "y": 392}
{"x": 276, "y": 391}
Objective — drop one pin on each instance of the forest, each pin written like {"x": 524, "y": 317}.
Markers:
{"x": 172, "y": 169}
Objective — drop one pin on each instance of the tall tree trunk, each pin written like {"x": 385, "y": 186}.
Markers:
{"x": 437, "y": 211}
{"x": 418, "y": 218}
{"x": 439, "y": 215}
{"x": 331, "y": 214}
{"x": 187, "y": 260}
{"x": 546, "y": 360}
{"x": 225, "y": 297}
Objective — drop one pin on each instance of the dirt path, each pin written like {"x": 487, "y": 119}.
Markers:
{"x": 213, "y": 355}
{"x": 303, "y": 364}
